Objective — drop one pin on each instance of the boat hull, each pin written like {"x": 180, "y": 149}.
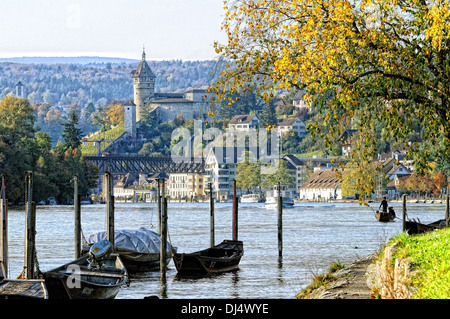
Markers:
{"x": 221, "y": 258}
{"x": 413, "y": 227}
{"x": 76, "y": 280}
{"x": 135, "y": 262}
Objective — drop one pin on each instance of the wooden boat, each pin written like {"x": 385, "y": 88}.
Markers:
{"x": 385, "y": 217}
{"x": 23, "y": 289}
{"x": 416, "y": 227}
{"x": 139, "y": 249}
{"x": 220, "y": 258}
{"x": 97, "y": 275}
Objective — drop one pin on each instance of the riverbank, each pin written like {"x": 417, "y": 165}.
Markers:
{"x": 409, "y": 267}
{"x": 349, "y": 282}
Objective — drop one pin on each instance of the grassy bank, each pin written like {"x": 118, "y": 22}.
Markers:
{"x": 429, "y": 255}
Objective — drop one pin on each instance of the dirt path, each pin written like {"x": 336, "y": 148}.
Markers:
{"x": 351, "y": 283}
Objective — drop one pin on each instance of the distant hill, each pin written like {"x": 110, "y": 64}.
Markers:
{"x": 68, "y": 60}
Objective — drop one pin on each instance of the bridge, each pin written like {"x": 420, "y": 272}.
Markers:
{"x": 121, "y": 165}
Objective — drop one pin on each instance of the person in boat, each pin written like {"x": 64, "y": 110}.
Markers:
{"x": 391, "y": 213}
{"x": 384, "y": 205}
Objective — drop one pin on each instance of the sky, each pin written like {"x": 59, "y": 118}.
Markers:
{"x": 168, "y": 29}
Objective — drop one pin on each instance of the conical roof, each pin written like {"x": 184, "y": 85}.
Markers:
{"x": 143, "y": 69}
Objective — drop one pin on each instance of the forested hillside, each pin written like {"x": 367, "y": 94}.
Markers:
{"x": 65, "y": 84}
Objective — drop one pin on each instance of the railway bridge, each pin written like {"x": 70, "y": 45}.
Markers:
{"x": 121, "y": 165}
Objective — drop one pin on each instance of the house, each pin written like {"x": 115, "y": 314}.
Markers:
{"x": 299, "y": 101}
{"x": 322, "y": 185}
{"x": 186, "y": 185}
{"x": 345, "y": 140}
{"x": 221, "y": 168}
{"x": 124, "y": 189}
{"x": 399, "y": 171}
{"x": 303, "y": 167}
{"x": 291, "y": 124}
{"x": 243, "y": 122}
{"x": 394, "y": 186}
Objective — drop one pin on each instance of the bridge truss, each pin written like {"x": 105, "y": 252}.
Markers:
{"x": 143, "y": 165}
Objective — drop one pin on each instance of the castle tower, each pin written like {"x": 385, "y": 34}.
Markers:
{"x": 19, "y": 90}
{"x": 143, "y": 85}
{"x": 130, "y": 118}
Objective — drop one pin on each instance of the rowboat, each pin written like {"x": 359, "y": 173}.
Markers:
{"x": 139, "y": 249}
{"x": 23, "y": 289}
{"x": 385, "y": 217}
{"x": 416, "y": 227}
{"x": 220, "y": 258}
{"x": 99, "y": 274}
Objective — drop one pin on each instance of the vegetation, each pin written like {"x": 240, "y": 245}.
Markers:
{"x": 23, "y": 148}
{"x": 382, "y": 62}
{"x": 320, "y": 280}
{"x": 429, "y": 255}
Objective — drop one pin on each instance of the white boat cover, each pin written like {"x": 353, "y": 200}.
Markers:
{"x": 140, "y": 240}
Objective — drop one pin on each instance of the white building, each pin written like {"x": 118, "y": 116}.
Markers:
{"x": 322, "y": 185}
{"x": 243, "y": 123}
{"x": 291, "y": 124}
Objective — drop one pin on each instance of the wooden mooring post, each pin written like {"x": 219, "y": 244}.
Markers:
{"x": 4, "y": 229}
{"x": 30, "y": 231}
{"x": 77, "y": 217}
{"x": 211, "y": 216}
{"x": 109, "y": 207}
{"x": 280, "y": 221}
{"x": 447, "y": 210}
{"x": 235, "y": 212}
{"x": 163, "y": 250}
{"x": 404, "y": 213}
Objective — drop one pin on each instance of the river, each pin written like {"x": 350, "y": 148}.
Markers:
{"x": 314, "y": 235}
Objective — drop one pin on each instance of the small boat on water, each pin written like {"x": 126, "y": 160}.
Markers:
{"x": 139, "y": 249}
{"x": 272, "y": 197}
{"x": 220, "y": 258}
{"x": 416, "y": 227}
{"x": 385, "y": 217}
{"x": 252, "y": 198}
{"x": 100, "y": 274}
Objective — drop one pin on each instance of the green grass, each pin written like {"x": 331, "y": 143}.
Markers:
{"x": 429, "y": 254}
{"x": 108, "y": 136}
{"x": 321, "y": 280}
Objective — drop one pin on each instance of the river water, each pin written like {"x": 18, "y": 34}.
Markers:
{"x": 314, "y": 236}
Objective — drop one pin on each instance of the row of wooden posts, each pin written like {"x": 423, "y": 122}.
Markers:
{"x": 30, "y": 208}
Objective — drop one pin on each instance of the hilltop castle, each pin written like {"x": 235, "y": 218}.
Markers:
{"x": 192, "y": 104}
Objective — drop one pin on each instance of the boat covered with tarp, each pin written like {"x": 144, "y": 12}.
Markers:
{"x": 139, "y": 249}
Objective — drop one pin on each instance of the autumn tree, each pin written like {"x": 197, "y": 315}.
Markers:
{"x": 381, "y": 61}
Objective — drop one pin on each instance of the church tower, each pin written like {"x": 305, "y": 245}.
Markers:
{"x": 143, "y": 85}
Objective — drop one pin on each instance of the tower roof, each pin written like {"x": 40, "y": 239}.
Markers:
{"x": 143, "y": 69}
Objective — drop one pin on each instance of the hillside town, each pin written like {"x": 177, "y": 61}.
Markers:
{"x": 309, "y": 178}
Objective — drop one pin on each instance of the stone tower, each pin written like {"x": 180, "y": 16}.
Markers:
{"x": 143, "y": 85}
{"x": 19, "y": 90}
{"x": 130, "y": 118}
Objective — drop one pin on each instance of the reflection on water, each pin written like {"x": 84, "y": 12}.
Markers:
{"x": 314, "y": 235}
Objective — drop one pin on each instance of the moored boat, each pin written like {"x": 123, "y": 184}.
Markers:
{"x": 416, "y": 227}
{"x": 139, "y": 249}
{"x": 96, "y": 275}
{"x": 217, "y": 259}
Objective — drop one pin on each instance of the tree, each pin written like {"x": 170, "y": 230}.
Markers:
{"x": 71, "y": 134}
{"x": 385, "y": 60}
